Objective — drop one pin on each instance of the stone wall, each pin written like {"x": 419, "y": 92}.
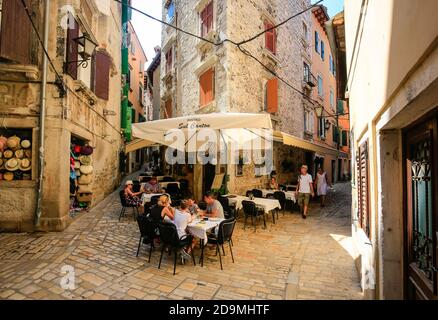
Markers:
{"x": 239, "y": 80}
{"x": 72, "y": 114}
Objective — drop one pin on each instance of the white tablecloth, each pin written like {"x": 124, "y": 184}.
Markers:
{"x": 146, "y": 197}
{"x": 199, "y": 228}
{"x": 266, "y": 204}
{"x": 290, "y": 195}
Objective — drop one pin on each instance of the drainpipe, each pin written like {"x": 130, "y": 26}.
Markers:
{"x": 43, "y": 100}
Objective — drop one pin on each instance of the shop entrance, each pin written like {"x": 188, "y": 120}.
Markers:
{"x": 81, "y": 175}
{"x": 421, "y": 204}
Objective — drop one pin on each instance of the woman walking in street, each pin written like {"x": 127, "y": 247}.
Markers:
{"x": 322, "y": 185}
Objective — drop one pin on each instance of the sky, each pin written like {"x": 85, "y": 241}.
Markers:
{"x": 149, "y": 31}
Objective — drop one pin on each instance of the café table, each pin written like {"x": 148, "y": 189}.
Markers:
{"x": 290, "y": 195}
{"x": 266, "y": 204}
{"x": 199, "y": 228}
{"x": 147, "y": 197}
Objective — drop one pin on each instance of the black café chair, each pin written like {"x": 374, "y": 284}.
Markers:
{"x": 248, "y": 193}
{"x": 281, "y": 197}
{"x": 148, "y": 233}
{"x": 125, "y": 205}
{"x": 154, "y": 200}
{"x": 136, "y": 186}
{"x": 184, "y": 186}
{"x": 224, "y": 236}
{"x": 174, "y": 191}
{"x": 257, "y": 193}
{"x": 168, "y": 179}
{"x": 229, "y": 211}
{"x": 169, "y": 239}
{"x": 250, "y": 210}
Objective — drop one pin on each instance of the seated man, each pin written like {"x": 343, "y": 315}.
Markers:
{"x": 214, "y": 207}
{"x": 181, "y": 220}
{"x": 152, "y": 186}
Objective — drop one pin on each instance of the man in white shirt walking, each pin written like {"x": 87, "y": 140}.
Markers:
{"x": 304, "y": 190}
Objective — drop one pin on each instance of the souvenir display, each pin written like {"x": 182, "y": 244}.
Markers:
{"x": 15, "y": 156}
{"x": 81, "y": 177}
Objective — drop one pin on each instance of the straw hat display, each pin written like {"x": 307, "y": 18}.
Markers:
{"x": 28, "y": 154}
{"x": 1, "y": 162}
{"x": 13, "y": 142}
{"x": 85, "y": 179}
{"x": 8, "y": 154}
{"x": 19, "y": 154}
{"x": 86, "y": 169}
{"x": 85, "y": 160}
{"x": 87, "y": 150}
{"x": 8, "y": 176}
{"x": 25, "y": 164}
{"x": 3, "y": 142}
{"x": 25, "y": 144}
{"x": 84, "y": 188}
{"x": 77, "y": 164}
{"x": 12, "y": 164}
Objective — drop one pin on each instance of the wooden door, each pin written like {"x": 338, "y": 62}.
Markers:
{"x": 421, "y": 154}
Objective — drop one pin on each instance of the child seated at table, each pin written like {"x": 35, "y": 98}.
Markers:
{"x": 192, "y": 206}
{"x": 181, "y": 220}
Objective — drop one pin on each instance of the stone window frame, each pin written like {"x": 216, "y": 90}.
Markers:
{"x": 210, "y": 63}
{"x": 202, "y": 4}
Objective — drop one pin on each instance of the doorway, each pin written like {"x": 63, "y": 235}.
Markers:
{"x": 421, "y": 203}
{"x": 208, "y": 176}
{"x": 333, "y": 171}
{"x": 340, "y": 170}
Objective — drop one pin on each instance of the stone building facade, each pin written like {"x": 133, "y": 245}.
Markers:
{"x": 85, "y": 110}
{"x": 137, "y": 100}
{"x": 239, "y": 83}
{"x": 331, "y": 128}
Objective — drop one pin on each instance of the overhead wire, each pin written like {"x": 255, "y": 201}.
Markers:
{"x": 61, "y": 83}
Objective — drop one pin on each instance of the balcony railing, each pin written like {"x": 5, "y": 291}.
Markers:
{"x": 309, "y": 78}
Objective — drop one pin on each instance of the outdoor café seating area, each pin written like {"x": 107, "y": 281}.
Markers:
{"x": 255, "y": 209}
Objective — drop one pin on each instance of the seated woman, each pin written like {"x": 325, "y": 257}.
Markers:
{"x": 273, "y": 184}
{"x": 132, "y": 198}
{"x": 162, "y": 210}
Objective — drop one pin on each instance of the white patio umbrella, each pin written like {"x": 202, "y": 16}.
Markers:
{"x": 189, "y": 133}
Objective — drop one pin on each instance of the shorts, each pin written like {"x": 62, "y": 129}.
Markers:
{"x": 303, "y": 198}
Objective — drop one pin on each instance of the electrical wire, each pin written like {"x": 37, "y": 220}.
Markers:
{"x": 239, "y": 44}
{"x": 280, "y": 24}
{"x": 61, "y": 84}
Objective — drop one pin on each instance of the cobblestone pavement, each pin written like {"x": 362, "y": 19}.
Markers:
{"x": 293, "y": 259}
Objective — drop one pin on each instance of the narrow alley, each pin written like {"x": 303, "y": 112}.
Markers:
{"x": 293, "y": 259}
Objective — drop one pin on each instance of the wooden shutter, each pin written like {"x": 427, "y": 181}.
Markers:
{"x": 270, "y": 38}
{"x": 15, "y": 38}
{"x": 168, "y": 109}
{"x": 363, "y": 188}
{"x": 207, "y": 19}
{"x": 272, "y": 95}
{"x": 101, "y": 74}
{"x": 72, "y": 47}
{"x": 206, "y": 84}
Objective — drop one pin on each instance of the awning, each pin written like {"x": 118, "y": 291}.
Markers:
{"x": 189, "y": 132}
{"x": 290, "y": 140}
{"x": 137, "y": 144}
